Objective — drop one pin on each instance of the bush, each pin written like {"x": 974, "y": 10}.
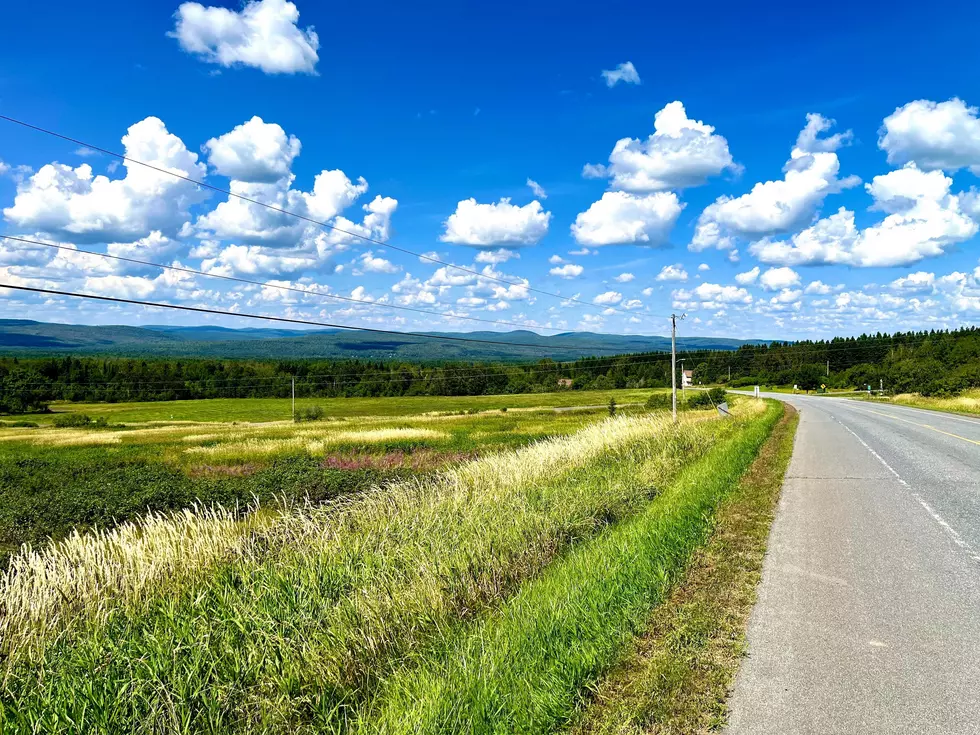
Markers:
{"x": 313, "y": 413}
{"x": 612, "y": 407}
{"x": 707, "y": 398}
{"x": 658, "y": 401}
{"x": 22, "y": 425}
{"x": 70, "y": 420}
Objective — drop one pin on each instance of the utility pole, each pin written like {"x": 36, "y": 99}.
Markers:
{"x": 673, "y": 364}
{"x": 729, "y": 373}
{"x": 828, "y": 368}
{"x": 294, "y": 398}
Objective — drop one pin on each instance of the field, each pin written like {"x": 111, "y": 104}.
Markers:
{"x": 280, "y": 409}
{"x": 466, "y": 568}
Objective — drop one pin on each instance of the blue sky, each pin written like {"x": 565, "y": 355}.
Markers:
{"x": 772, "y": 171}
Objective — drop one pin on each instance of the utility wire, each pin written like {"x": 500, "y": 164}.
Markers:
{"x": 236, "y": 279}
{"x": 311, "y": 220}
{"x": 288, "y": 320}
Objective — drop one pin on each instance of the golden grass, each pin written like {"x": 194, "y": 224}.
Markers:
{"x": 313, "y": 442}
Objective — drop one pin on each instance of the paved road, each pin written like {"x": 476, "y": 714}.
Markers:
{"x": 868, "y": 618}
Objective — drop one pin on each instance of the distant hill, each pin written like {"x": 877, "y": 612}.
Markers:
{"x": 31, "y": 338}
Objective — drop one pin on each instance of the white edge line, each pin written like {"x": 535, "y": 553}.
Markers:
{"x": 950, "y": 531}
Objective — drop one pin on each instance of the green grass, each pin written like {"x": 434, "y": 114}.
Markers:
{"x": 294, "y": 626}
{"x": 523, "y": 668}
{"x": 48, "y": 489}
{"x": 280, "y": 409}
{"x": 677, "y": 675}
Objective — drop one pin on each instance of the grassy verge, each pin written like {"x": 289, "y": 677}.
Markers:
{"x": 676, "y": 677}
{"x": 288, "y": 627}
{"x": 967, "y": 403}
{"x": 524, "y": 667}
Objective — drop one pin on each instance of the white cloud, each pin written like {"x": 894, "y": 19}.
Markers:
{"x": 920, "y": 281}
{"x": 569, "y": 270}
{"x": 495, "y": 257}
{"x": 537, "y": 189}
{"x": 557, "y": 259}
{"x": 582, "y": 251}
{"x": 632, "y": 304}
{"x": 73, "y": 204}
{"x": 369, "y": 263}
{"x": 673, "y": 272}
{"x": 944, "y": 135}
{"x": 819, "y": 287}
{"x": 923, "y": 220}
{"x": 620, "y": 218}
{"x": 748, "y": 277}
{"x": 153, "y": 247}
{"x": 710, "y": 296}
{"x": 254, "y": 259}
{"x": 809, "y": 141}
{"x": 607, "y": 298}
{"x": 4, "y": 168}
{"x": 255, "y": 151}
{"x": 648, "y": 291}
{"x": 772, "y": 207}
{"x": 625, "y": 73}
{"x": 704, "y": 267}
{"x": 264, "y": 35}
{"x": 624, "y": 278}
{"x": 680, "y": 153}
{"x": 121, "y": 287}
{"x": 500, "y": 223}
{"x": 776, "y": 279}
{"x": 787, "y": 296}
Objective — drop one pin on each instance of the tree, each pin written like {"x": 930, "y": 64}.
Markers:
{"x": 809, "y": 377}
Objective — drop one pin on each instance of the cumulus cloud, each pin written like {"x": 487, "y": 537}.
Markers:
{"x": 625, "y": 73}
{"x": 370, "y": 263}
{"x": 624, "y": 278}
{"x": 818, "y": 287}
{"x": 154, "y": 247}
{"x": 264, "y": 34}
{"x": 710, "y": 296}
{"x": 748, "y": 277}
{"x": 923, "y": 220}
{"x": 495, "y": 257}
{"x": 680, "y": 153}
{"x": 255, "y": 151}
{"x": 500, "y": 223}
{"x": 944, "y": 135}
{"x": 773, "y": 207}
{"x": 74, "y": 204}
{"x": 620, "y": 218}
{"x": 568, "y": 271}
{"x": 608, "y": 298}
{"x": 704, "y": 267}
{"x": 920, "y": 281}
{"x": 673, "y": 272}
{"x": 537, "y": 189}
{"x": 776, "y": 279}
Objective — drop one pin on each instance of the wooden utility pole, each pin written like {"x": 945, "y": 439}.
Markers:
{"x": 294, "y": 398}
{"x": 673, "y": 364}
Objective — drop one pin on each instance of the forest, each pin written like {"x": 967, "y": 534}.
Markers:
{"x": 934, "y": 363}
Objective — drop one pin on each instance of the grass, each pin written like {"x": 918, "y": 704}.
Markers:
{"x": 280, "y": 409}
{"x": 53, "y": 481}
{"x": 524, "y": 667}
{"x": 968, "y": 402}
{"x": 676, "y": 676}
{"x": 289, "y": 625}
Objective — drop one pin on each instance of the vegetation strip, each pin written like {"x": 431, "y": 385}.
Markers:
{"x": 524, "y": 667}
{"x": 676, "y": 677}
{"x": 313, "y": 612}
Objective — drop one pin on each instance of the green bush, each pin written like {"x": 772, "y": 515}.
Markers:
{"x": 70, "y": 420}
{"x": 706, "y": 398}
{"x": 313, "y": 413}
{"x": 658, "y": 401}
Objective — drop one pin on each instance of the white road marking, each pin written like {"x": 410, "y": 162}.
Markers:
{"x": 944, "y": 414}
{"x": 950, "y": 531}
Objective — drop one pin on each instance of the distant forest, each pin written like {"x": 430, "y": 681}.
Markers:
{"x": 932, "y": 363}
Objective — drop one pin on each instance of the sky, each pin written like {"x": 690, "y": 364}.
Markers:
{"x": 768, "y": 170}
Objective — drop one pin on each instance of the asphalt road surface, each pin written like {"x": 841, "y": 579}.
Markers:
{"x": 868, "y": 619}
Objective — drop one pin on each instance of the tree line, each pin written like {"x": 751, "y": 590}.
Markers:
{"x": 932, "y": 363}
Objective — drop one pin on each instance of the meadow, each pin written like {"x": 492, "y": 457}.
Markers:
{"x": 469, "y": 569}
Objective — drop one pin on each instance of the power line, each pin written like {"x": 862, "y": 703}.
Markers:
{"x": 236, "y": 279}
{"x": 288, "y": 320}
{"x": 287, "y": 212}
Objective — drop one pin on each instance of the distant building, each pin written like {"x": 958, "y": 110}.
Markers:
{"x": 564, "y": 382}
{"x": 687, "y": 378}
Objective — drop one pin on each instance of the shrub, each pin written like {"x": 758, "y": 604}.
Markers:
{"x": 313, "y": 413}
{"x": 707, "y": 398}
{"x": 69, "y": 420}
{"x": 612, "y": 406}
{"x": 658, "y": 401}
